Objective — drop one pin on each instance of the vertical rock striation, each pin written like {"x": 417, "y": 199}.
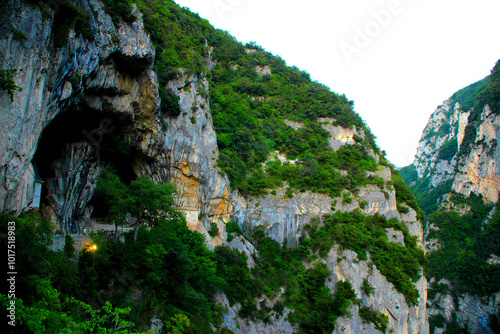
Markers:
{"x": 479, "y": 171}
{"x": 438, "y": 156}
{"x": 83, "y": 90}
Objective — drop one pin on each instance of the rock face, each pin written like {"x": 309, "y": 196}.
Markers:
{"x": 340, "y": 136}
{"x": 438, "y": 153}
{"x": 76, "y": 95}
{"x": 458, "y": 153}
{"x": 402, "y": 318}
{"x": 193, "y": 150}
{"x": 479, "y": 172}
{"x": 79, "y": 100}
{"x": 345, "y": 266}
{"x": 470, "y": 311}
{"x": 276, "y": 324}
{"x": 427, "y": 162}
{"x": 284, "y": 217}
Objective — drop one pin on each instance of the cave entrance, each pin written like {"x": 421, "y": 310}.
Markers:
{"x": 71, "y": 154}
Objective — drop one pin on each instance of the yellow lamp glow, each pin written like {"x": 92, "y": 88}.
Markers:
{"x": 92, "y": 248}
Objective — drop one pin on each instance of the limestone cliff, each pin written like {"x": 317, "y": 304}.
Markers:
{"x": 84, "y": 96}
{"x": 428, "y": 164}
{"x": 479, "y": 172}
{"x": 95, "y": 103}
{"x": 438, "y": 157}
{"x": 456, "y": 170}
{"x": 72, "y": 100}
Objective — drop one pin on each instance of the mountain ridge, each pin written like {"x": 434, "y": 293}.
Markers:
{"x": 265, "y": 162}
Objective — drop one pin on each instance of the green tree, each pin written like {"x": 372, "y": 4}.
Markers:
{"x": 178, "y": 324}
{"x": 151, "y": 202}
{"x": 146, "y": 201}
{"x": 53, "y": 314}
{"x": 69, "y": 246}
{"x": 116, "y": 196}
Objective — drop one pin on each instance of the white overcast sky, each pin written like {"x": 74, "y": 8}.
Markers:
{"x": 397, "y": 59}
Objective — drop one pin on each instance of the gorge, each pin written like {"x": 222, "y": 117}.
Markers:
{"x": 286, "y": 216}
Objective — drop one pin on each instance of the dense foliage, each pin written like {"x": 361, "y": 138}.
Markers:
{"x": 314, "y": 308}
{"x": 146, "y": 202}
{"x": 47, "y": 283}
{"x": 483, "y": 92}
{"x": 428, "y": 197}
{"x": 448, "y": 150}
{"x": 249, "y": 110}
{"x": 405, "y": 195}
{"x": 467, "y": 97}
{"x": 377, "y": 318}
{"x": 467, "y": 244}
{"x": 168, "y": 273}
{"x": 401, "y": 265}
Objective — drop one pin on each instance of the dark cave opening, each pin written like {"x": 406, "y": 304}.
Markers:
{"x": 104, "y": 131}
{"x": 106, "y": 146}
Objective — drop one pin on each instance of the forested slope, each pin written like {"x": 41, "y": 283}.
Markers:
{"x": 257, "y": 199}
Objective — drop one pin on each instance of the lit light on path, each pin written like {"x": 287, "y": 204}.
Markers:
{"x": 92, "y": 248}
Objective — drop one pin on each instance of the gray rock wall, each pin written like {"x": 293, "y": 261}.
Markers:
{"x": 81, "y": 86}
{"x": 344, "y": 265}
{"x": 479, "y": 172}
